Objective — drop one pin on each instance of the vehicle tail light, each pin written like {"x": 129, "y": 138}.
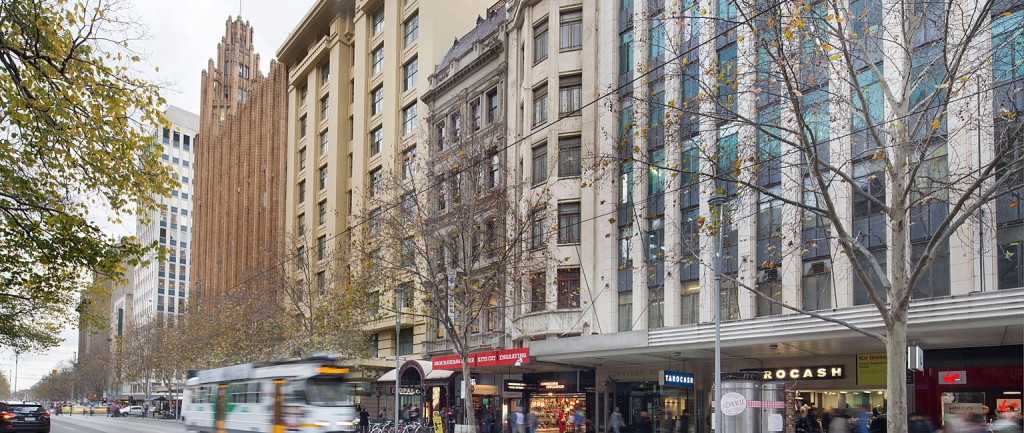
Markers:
{"x": 7, "y": 416}
{"x": 46, "y": 414}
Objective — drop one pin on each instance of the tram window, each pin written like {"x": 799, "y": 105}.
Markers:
{"x": 327, "y": 392}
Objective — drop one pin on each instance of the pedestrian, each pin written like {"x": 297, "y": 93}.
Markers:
{"x": 615, "y": 422}
{"x": 809, "y": 423}
{"x": 918, "y": 424}
{"x": 878, "y": 422}
{"x": 364, "y": 420}
{"x": 1006, "y": 423}
{"x": 840, "y": 422}
{"x": 643, "y": 424}
{"x": 533, "y": 421}
{"x": 684, "y": 422}
{"x": 520, "y": 420}
{"x": 580, "y": 416}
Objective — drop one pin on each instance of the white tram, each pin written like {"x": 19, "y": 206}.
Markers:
{"x": 308, "y": 395}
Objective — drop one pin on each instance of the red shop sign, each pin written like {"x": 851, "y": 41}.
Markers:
{"x": 483, "y": 359}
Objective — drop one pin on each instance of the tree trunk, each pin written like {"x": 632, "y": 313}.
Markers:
{"x": 896, "y": 390}
{"x": 467, "y": 395}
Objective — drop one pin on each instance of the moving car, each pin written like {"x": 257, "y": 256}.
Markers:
{"x": 132, "y": 411}
{"x": 24, "y": 417}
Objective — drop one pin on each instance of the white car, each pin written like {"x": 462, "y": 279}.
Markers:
{"x": 131, "y": 411}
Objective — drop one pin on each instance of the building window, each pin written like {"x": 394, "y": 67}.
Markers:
{"x": 569, "y": 288}
{"x": 569, "y": 157}
{"x": 409, "y": 119}
{"x": 625, "y": 311}
{"x": 537, "y": 228}
{"x": 409, "y": 163}
{"x": 817, "y": 286}
{"x": 441, "y": 130}
{"x": 569, "y": 223}
{"x": 302, "y": 126}
{"x": 324, "y": 106}
{"x": 410, "y": 71}
{"x": 321, "y": 247}
{"x": 860, "y": 290}
{"x": 325, "y": 73}
{"x": 540, "y": 164}
{"x": 412, "y": 30}
{"x": 376, "y": 177}
{"x": 302, "y": 191}
{"x": 770, "y": 286}
{"x": 323, "y": 143}
{"x": 495, "y": 170}
{"x": 322, "y": 212}
{"x": 377, "y": 60}
{"x": 456, "y": 121}
{"x": 474, "y": 114}
{"x": 300, "y": 224}
{"x": 322, "y": 174}
{"x": 492, "y": 106}
{"x": 690, "y": 303}
{"x": 656, "y": 307}
{"x": 626, "y": 52}
{"x": 730, "y": 300}
{"x": 540, "y": 41}
{"x": 378, "y": 21}
{"x": 303, "y": 93}
{"x": 302, "y": 158}
{"x": 376, "y": 140}
{"x": 571, "y": 34}
{"x": 537, "y": 292}
{"x": 377, "y": 100}
{"x": 570, "y": 95}
{"x": 1011, "y": 256}
{"x": 407, "y": 251}
{"x": 540, "y": 105}
{"x": 405, "y": 342}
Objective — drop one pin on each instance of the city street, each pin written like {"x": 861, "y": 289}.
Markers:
{"x": 102, "y": 424}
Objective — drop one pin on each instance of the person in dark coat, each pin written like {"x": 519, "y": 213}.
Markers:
{"x": 364, "y": 420}
{"x": 643, "y": 423}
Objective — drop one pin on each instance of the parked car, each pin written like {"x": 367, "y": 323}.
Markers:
{"x": 131, "y": 411}
{"x": 16, "y": 417}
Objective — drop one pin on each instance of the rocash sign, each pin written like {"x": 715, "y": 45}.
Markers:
{"x": 806, "y": 373}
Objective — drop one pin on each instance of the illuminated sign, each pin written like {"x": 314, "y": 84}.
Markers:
{"x": 806, "y": 373}
{"x": 513, "y": 357}
{"x": 409, "y": 391}
{"x": 332, "y": 370}
{"x": 512, "y": 386}
{"x": 551, "y": 385}
{"x": 958, "y": 377}
{"x": 675, "y": 378}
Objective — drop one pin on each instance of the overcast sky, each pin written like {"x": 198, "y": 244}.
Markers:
{"x": 182, "y": 36}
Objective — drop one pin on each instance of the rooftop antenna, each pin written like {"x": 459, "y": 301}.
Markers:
{"x": 239, "y": 8}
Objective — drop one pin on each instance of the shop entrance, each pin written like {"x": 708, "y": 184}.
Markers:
{"x": 553, "y": 409}
{"x": 666, "y": 405}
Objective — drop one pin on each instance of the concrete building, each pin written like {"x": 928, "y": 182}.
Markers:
{"x": 240, "y": 168}
{"x": 120, "y": 313}
{"x": 634, "y": 298}
{"x": 355, "y": 77}
{"x": 161, "y": 287}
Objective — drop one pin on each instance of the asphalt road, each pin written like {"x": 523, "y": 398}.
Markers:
{"x": 102, "y": 424}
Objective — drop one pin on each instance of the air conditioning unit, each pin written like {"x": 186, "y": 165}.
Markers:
{"x": 767, "y": 275}
{"x": 818, "y": 268}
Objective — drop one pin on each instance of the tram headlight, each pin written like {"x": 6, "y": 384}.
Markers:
{"x": 322, "y": 424}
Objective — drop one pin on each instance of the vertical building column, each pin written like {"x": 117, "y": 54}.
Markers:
{"x": 673, "y": 158}
{"x": 641, "y": 114}
{"x": 708, "y": 143}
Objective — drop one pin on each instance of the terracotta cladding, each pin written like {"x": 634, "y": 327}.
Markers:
{"x": 240, "y": 181}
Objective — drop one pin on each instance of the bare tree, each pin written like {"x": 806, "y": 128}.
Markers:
{"x": 447, "y": 232}
{"x": 854, "y": 132}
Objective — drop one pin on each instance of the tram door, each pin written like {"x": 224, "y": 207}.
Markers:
{"x": 220, "y": 409}
{"x": 278, "y": 416}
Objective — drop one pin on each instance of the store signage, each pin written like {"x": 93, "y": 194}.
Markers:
{"x": 409, "y": 391}
{"x": 953, "y": 377}
{"x": 806, "y": 373}
{"x": 485, "y": 390}
{"x": 514, "y": 357}
{"x": 1008, "y": 405}
{"x": 675, "y": 378}
{"x": 512, "y": 386}
{"x": 551, "y": 385}
{"x": 733, "y": 404}
{"x": 872, "y": 368}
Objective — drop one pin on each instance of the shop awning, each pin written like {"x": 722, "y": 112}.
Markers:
{"x": 428, "y": 370}
{"x": 160, "y": 398}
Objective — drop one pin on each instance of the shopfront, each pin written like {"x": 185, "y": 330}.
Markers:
{"x": 955, "y": 382}
{"x": 421, "y": 390}
{"x": 488, "y": 370}
{"x": 556, "y": 397}
{"x": 666, "y": 395}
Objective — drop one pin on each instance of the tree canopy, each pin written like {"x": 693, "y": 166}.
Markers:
{"x": 72, "y": 135}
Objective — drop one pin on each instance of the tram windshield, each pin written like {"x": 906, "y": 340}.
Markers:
{"x": 328, "y": 392}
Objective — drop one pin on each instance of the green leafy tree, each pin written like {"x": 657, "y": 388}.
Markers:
{"x": 71, "y": 137}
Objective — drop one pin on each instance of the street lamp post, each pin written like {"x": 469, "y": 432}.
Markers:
{"x": 398, "y": 359}
{"x": 716, "y": 202}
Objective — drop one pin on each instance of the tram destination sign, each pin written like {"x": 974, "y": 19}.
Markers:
{"x": 821, "y": 372}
